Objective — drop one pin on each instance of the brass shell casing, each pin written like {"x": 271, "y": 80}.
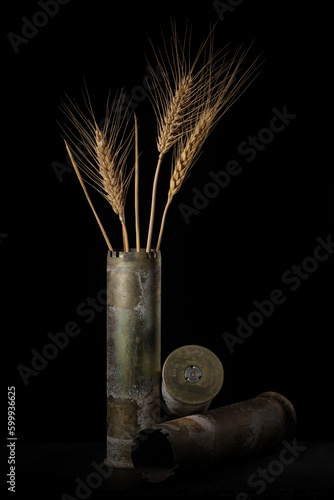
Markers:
{"x": 214, "y": 436}
{"x": 192, "y": 376}
{"x": 133, "y": 350}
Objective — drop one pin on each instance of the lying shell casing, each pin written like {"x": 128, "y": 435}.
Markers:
{"x": 133, "y": 350}
{"x": 220, "y": 434}
{"x": 191, "y": 377}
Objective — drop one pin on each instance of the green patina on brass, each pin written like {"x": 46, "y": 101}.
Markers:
{"x": 133, "y": 349}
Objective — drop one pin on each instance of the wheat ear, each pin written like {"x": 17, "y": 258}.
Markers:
{"x": 102, "y": 152}
{"x": 111, "y": 180}
{"x": 185, "y": 161}
{"x": 223, "y": 88}
{"x": 175, "y": 110}
{"x": 169, "y": 129}
{"x": 87, "y": 196}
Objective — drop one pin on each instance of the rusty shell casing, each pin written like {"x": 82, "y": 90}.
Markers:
{"x": 192, "y": 376}
{"x": 216, "y": 435}
{"x": 133, "y": 350}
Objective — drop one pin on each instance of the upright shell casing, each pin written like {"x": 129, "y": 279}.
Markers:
{"x": 133, "y": 350}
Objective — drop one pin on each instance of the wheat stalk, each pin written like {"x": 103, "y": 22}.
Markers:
{"x": 223, "y": 89}
{"x": 199, "y": 88}
{"x": 185, "y": 161}
{"x": 170, "y": 126}
{"x": 177, "y": 109}
{"x": 188, "y": 103}
{"x": 102, "y": 152}
{"x": 170, "y": 108}
{"x": 87, "y": 196}
{"x": 137, "y": 187}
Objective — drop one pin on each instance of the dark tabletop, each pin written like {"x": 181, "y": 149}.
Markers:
{"x": 69, "y": 471}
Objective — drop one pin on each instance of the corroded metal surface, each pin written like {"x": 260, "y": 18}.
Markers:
{"x": 216, "y": 435}
{"x": 133, "y": 349}
{"x": 191, "y": 377}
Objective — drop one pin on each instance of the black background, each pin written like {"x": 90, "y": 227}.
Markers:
{"x": 233, "y": 252}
